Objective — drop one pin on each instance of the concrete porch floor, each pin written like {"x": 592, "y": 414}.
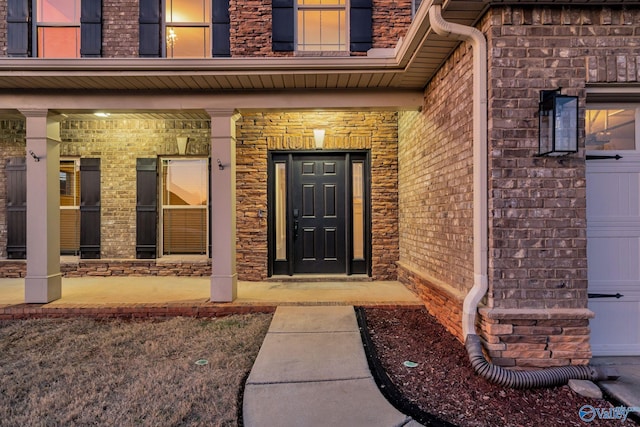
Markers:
{"x": 115, "y": 291}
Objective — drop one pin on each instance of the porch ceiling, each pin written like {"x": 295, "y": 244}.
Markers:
{"x": 409, "y": 67}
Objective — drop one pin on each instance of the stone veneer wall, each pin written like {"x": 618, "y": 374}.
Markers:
{"x": 116, "y": 268}
{"x": 347, "y": 130}
{"x": 118, "y": 141}
{"x": 537, "y": 302}
{"x": 435, "y": 193}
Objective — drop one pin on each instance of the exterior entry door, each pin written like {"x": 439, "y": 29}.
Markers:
{"x": 319, "y": 213}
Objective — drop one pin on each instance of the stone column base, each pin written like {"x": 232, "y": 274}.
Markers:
{"x": 538, "y": 338}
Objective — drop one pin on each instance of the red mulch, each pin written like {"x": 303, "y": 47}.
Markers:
{"x": 445, "y": 385}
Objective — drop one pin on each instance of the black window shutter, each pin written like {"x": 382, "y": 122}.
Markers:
{"x": 209, "y": 209}
{"x": 89, "y": 208}
{"x": 91, "y": 28}
{"x": 18, "y": 28}
{"x": 221, "y": 28}
{"x": 16, "y": 208}
{"x": 283, "y": 25}
{"x": 149, "y": 29}
{"x": 146, "y": 209}
{"x": 360, "y": 20}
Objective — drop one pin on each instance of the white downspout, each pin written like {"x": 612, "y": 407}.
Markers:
{"x": 480, "y": 233}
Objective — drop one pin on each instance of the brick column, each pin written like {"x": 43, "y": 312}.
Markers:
{"x": 43, "y": 282}
{"x": 224, "y": 276}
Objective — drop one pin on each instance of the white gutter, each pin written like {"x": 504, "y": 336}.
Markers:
{"x": 480, "y": 221}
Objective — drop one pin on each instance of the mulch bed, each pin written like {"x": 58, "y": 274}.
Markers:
{"x": 443, "y": 389}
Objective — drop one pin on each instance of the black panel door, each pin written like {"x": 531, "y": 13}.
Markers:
{"x": 318, "y": 214}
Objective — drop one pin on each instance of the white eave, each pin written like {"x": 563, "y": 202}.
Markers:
{"x": 410, "y": 66}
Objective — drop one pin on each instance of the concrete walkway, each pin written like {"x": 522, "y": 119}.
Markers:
{"x": 312, "y": 371}
{"x": 625, "y": 389}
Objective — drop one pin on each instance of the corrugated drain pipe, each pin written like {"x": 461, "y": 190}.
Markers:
{"x": 547, "y": 377}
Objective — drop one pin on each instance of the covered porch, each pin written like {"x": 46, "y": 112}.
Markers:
{"x": 115, "y": 155}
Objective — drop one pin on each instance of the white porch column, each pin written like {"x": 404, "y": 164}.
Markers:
{"x": 224, "y": 276}
{"x": 43, "y": 282}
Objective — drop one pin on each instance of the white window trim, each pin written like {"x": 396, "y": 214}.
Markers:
{"x": 161, "y": 206}
{"x": 617, "y": 105}
{"x": 345, "y": 7}
{"x": 165, "y": 25}
{"x": 46, "y": 24}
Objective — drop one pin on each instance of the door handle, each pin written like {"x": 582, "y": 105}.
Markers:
{"x": 295, "y": 229}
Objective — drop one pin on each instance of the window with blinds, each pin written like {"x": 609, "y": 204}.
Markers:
{"x": 69, "y": 206}
{"x": 184, "y": 211}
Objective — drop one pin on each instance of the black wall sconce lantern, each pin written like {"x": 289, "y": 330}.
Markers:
{"x": 558, "y": 123}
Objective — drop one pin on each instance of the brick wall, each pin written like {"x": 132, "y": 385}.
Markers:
{"x": 390, "y": 22}
{"x": 435, "y": 180}
{"x": 12, "y": 144}
{"x": 255, "y": 131}
{"x": 435, "y": 193}
{"x": 251, "y": 26}
{"x": 118, "y": 142}
{"x": 536, "y": 309}
{"x": 537, "y": 206}
{"x": 120, "y": 28}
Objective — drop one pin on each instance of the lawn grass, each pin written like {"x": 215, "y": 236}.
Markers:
{"x": 126, "y": 373}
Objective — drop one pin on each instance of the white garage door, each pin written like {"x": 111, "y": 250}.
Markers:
{"x": 613, "y": 248}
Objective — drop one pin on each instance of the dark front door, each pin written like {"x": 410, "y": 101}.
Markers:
{"x": 318, "y": 214}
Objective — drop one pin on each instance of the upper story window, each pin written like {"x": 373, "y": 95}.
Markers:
{"x": 321, "y": 25}
{"x": 54, "y": 28}
{"x": 188, "y": 28}
{"x": 612, "y": 127}
{"x": 58, "y": 28}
